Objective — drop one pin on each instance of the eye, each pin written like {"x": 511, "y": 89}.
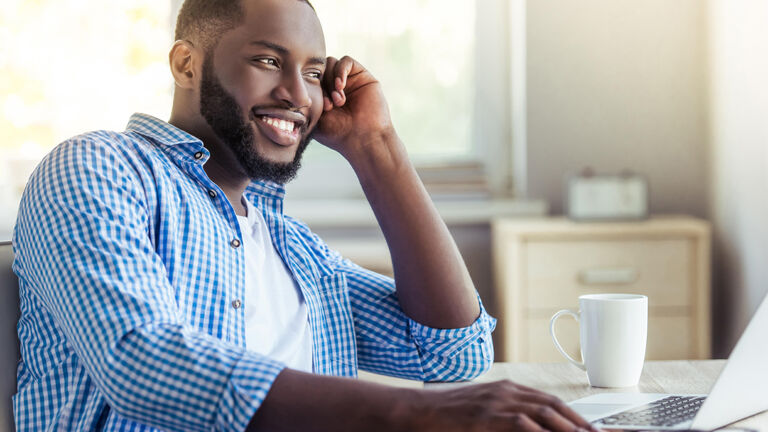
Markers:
{"x": 268, "y": 61}
{"x": 315, "y": 75}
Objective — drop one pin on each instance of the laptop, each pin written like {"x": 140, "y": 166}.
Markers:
{"x": 740, "y": 391}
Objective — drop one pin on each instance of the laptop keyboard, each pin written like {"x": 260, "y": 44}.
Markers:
{"x": 669, "y": 411}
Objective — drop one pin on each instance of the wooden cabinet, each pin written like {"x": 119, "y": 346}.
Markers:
{"x": 544, "y": 265}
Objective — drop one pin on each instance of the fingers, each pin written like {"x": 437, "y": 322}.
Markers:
{"x": 560, "y": 407}
{"x": 572, "y": 416}
{"x": 523, "y": 423}
{"x": 504, "y": 406}
{"x": 548, "y": 417}
{"x": 335, "y": 79}
{"x": 328, "y": 82}
{"x": 329, "y": 75}
{"x": 343, "y": 69}
{"x": 327, "y": 104}
{"x": 544, "y": 409}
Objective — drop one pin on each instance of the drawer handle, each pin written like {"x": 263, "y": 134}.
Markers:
{"x": 609, "y": 276}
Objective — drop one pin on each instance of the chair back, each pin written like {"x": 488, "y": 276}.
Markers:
{"x": 9, "y": 341}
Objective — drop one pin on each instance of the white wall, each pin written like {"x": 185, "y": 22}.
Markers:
{"x": 677, "y": 90}
{"x": 739, "y": 168}
{"x": 618, "y": 84}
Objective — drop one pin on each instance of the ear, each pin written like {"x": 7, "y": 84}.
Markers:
{"x": 184, "y": 58}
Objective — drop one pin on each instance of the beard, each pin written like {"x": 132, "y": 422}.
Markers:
{"x": 225, "y": 117}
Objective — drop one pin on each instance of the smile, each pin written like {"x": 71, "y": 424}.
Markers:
{"x": 283, "y": 125}
{"x": 281, "y": 131}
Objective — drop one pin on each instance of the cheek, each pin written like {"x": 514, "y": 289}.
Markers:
{"x": 316, "y": 95}
{"x": 249, "y": 88}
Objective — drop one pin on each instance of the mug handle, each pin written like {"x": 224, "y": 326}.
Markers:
{"x": 575, "y": 315}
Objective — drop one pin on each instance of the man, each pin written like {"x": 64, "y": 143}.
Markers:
{"x": 162, "y": 288}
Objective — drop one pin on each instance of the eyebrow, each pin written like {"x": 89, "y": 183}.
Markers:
{"x": 284, "y": 51}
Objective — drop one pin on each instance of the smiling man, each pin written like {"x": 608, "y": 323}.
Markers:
{"x": 163, "y": 288}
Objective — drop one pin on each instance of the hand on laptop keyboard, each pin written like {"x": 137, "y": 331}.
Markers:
{"x": 496, "y": 406}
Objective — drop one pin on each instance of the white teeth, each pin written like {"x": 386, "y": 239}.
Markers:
{"x": 279, "y": 124}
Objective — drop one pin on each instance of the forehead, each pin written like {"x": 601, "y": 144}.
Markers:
{"x": 288, "y": 23}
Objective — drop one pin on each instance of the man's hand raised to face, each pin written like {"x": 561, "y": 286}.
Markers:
{"x": 432, "y": 284}
{"x": 354, "y": 108}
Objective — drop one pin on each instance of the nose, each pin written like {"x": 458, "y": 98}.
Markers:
{"x": 292, "y": 90}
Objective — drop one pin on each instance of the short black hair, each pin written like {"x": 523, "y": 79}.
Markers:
{"x": 204, "y": 21}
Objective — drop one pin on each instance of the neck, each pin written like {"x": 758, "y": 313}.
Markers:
{"x": 232, "y": 185}
{"x": 219, "y": 166}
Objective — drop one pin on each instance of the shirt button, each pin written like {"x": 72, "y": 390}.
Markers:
{"x": 236, "y": 304}
{"x": 235, "y": 243}
{"x": 212, "y": 193}
{"x": 198, "y": 155}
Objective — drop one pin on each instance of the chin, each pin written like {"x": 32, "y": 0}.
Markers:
{"x": 280, "y": 158}
{"x": 274, "y": 152}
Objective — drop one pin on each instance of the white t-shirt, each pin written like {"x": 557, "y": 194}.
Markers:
{"x": 276, "y": 323}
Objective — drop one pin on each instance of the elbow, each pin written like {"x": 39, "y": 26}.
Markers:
{"x": 478, "y": 359}
{"x": 484, "y": 361}
{"x": 457, "y": 354}
{"x": 464, "y": 365}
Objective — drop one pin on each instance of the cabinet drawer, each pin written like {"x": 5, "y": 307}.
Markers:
{"x": 558, "y": 272}
{"x": 669, "y": 338}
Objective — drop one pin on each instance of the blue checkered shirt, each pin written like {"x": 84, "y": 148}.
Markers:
{"x": 131, "y": 269}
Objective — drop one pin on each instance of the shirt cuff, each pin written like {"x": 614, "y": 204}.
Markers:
{"x": 251, "y": 380}
{"x": 449, "y": 343}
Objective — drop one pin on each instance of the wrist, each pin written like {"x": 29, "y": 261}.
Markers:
{"x": 378, "y": 157}
{"x": 372, "y": 149}
{"x": 407, "y": 410}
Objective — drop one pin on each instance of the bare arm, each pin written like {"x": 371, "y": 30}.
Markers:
{"x": 300, "y": 401}
{"x": 432, "y": 282}
{"x": 432, "y": 285}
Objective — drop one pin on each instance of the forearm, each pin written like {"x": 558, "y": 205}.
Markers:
{"x": 308, "y": 402}
{"x": 433, "y": 285}
{"x": 314, "y": 403}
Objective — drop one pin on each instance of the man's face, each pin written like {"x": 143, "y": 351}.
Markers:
{"x": 260, "y": 88}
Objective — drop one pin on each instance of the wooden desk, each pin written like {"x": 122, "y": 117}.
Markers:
{"x": 570, "y": 383}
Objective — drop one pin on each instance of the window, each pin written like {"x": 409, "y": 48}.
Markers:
{"x": 443, "y": 64}
{"x": 57, "y": 57}
{"x": 425, "y": 61}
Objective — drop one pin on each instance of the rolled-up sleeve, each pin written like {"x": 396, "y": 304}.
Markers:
{"x": 455, "y": 354}
{"x": 391, "y": 343}
{"x": 85, "y": 254}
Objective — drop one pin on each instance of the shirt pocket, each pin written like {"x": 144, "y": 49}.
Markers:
{"x": 335, "y": 344}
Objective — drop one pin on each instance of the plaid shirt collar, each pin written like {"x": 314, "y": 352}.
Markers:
{"x": 178, "y": 143}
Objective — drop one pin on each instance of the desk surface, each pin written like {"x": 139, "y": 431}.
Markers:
{"x": 570, "y": 383}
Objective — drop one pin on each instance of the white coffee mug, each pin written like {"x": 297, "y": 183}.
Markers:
{"x": 613, "y": 330}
